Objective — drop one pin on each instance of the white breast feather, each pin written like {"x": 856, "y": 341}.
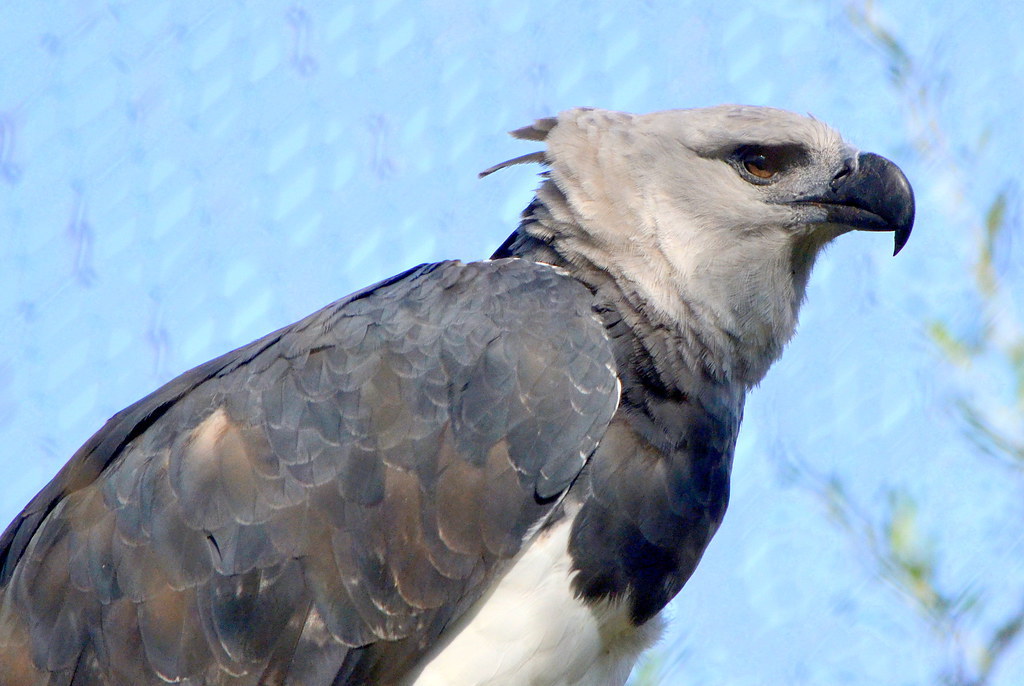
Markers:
{"x": 530, "y": 630}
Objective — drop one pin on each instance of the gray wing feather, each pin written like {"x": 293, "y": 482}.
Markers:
{"x": 320, "y": 504}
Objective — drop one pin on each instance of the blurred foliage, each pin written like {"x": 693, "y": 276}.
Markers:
{"x": 988, "y": 362}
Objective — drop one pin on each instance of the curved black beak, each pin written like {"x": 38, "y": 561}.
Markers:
{"x": 870, "y": 194}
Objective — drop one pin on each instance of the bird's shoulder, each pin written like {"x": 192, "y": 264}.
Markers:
{"x": 442, "y": 294}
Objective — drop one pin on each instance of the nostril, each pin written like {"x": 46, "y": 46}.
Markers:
{"x": 841, "y": 175}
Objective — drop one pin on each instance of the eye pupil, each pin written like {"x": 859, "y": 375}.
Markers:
{"x": 758, "y": 166}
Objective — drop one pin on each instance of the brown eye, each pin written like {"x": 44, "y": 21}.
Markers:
{"x": 764, "y": 164}
{"x": 758, "y": 166}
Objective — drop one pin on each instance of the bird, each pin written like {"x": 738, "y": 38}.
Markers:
{"x": 481, "y": 473}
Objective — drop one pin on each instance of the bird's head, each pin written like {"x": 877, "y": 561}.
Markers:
{"x": 721, "y": 209}
{"x": 773, "y": 168}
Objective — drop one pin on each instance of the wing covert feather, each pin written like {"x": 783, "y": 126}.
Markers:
{"x": 339, "y": 490}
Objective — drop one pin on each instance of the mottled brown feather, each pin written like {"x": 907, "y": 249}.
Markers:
{"x": 339, "y": 491}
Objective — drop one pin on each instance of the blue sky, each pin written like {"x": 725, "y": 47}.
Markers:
{"x": 177, "y": 179}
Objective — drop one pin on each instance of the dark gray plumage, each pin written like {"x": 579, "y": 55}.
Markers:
{"x": 349, "y": 498}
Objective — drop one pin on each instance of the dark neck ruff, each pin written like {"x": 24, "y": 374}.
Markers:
{"x": 655, "y": 491}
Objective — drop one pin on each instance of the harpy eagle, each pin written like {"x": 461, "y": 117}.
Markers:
{"x": 488, "y": 473}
